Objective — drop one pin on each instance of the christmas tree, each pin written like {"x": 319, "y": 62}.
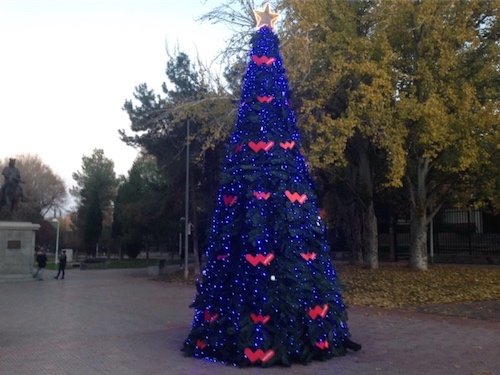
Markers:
{"x": 268, "y": 293}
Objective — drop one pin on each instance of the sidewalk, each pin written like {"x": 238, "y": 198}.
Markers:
{"x": 118, "y": 322}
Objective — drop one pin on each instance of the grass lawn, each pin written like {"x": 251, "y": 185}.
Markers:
{"x": 116, "y": 263}
{"x": 129, "y": 263}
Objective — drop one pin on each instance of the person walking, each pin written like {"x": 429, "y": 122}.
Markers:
{"x": 62, "y": 265}
{"x": 41, "y": 259}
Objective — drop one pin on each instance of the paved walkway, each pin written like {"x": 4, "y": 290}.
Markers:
{"x": 118, "y": 322}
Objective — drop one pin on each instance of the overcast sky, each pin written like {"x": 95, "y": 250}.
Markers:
{"x": 67, "y": 66}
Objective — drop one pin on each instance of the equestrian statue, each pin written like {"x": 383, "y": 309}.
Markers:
{"x": 11, "y": 191}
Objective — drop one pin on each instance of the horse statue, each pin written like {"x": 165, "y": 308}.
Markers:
{"x": 11, "y": 196}
{"x": 11, "y": 191}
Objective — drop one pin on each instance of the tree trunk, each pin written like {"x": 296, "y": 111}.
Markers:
{"x": 364, "y": 188}
{"x": 352, "y": 230}
{"x": 370, "y": 238}
{"x": 120, "y": 249}
{"x": 418, "y": 241}
{"x": 418, "y": 217}
{"x": 392, "y": 239}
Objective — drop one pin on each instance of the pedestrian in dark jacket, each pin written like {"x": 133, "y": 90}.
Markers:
{"x": 62, "y": 265}
{"x": 41, "y": 259}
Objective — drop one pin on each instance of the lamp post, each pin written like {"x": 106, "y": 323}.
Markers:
{"x": 186, "y": 208}
{"x": 56, "y": 222}
{"x": 180, "y": 241}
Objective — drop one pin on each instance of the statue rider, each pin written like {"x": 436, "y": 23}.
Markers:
{"x": 12, "y": 181}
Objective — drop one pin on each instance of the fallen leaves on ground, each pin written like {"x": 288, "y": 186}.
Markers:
{"x": 396, "y": 286}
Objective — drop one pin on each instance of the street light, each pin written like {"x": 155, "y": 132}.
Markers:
{"x": 181, "y": 247}
{"x": 186, "y": 208}
{"x": 55, "y": 221}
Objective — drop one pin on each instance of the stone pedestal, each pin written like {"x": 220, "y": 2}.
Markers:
{"x": 17, "y": 250}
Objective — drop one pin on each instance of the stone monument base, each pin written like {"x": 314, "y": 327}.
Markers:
{"x": 17, "y": 250}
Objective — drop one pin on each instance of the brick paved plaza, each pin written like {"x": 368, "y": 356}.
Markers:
{"x": 119, "y": 322}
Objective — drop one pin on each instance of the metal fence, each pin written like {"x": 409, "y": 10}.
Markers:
{"x": 452, "y": 232}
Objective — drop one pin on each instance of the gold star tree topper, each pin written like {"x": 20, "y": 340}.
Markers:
{"x": 265, "y": 17}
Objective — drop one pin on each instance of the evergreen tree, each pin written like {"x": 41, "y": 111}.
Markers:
{"x": 269, "y": 293}
{"x": 90, "y": 212}
{"x": 95, "y": 192}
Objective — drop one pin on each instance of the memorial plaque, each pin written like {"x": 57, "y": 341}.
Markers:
{"x": 13, "y": 245}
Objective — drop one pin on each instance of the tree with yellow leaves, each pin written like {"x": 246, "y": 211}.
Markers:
{"x": 345, "y": 86}
{"x": 447, "y": 61}
{"x": 411, "y": 84}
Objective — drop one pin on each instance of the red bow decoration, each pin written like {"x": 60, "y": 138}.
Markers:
{"x": 308, "y": 256}
{"x": 238, "y": 148}
{"x": 256, "y": 147}
{"x": 261, "y": 195}
{"x": 265, "y": 99}
{"x": 201, "y": 344}
{"x": 260, "y": 258}
{"x": 296, "y": 197}
{"x": 224, "y": 256}
{"x": 287, "y": 145}
{"x": 260, "y": 318}
{"x": 318, "y": 311}
{"x": 229, "y": 200}
{"x": 259, "y": 354}
{"x": 209, "y": 317}
{"x": 263, "y": 60}
{"x": 322, "y": 344}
